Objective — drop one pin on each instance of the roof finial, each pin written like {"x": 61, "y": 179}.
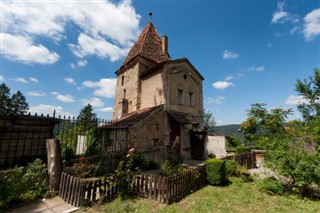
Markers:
{"x": 150, "y": 16}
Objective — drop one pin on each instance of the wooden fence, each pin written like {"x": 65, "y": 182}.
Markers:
{"x": 245, "y": 160}
{"x": 156, "y": 187}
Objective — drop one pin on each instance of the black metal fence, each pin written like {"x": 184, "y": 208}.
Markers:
{"x": 23, "y": 137}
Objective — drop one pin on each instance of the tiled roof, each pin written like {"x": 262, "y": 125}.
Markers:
{"x": 132, "y": 118}
{"x": 148, "y": 45}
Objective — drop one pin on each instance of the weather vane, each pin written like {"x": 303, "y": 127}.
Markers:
{"x": 150, "y": 15}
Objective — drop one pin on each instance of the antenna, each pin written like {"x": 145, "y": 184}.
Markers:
{"x": 150, "y": 16}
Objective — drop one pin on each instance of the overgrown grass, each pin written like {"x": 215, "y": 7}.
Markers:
{"x": 237, "y": 197}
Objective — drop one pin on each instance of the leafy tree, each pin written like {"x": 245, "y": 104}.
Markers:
{"x": 310, "y": 90}
{"x": 19, "y": 104}
{"x": 263, "y": 123}
{"x": 4, "y": 99}
{"x": 16, "y": 104}
{"x": 208, "y": 121}
{"x": 87, "y": 118}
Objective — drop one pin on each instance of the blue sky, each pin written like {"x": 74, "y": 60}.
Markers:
{"x": 63, "y": 54}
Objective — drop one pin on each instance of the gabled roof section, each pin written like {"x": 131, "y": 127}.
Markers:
{"x": 149, "y": 46}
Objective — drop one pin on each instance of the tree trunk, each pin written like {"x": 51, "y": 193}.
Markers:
{"x": 54, "y": 163}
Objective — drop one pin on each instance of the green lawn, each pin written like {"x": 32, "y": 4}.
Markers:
{"x": 237, "y": 197}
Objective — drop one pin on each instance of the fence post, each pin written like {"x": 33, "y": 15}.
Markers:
{"x": 54, "y": 163}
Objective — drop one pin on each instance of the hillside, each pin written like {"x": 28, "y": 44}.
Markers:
{"x": 229, "y": 130}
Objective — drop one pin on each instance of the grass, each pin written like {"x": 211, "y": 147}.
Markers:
{"x": 237, "y": 197}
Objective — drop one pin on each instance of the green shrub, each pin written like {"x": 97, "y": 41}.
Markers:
{"x": 271, "y": 186}
{"x": 141, "y": 161}
{"x": 171, "y": 165}
{"x": 68, "y": 154}
{"x": 241, "y": 150}
{"x": 232, "y": 168}
{"x": 216, "y": 171}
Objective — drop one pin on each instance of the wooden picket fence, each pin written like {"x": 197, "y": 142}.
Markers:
{"x": 156, "y": 187}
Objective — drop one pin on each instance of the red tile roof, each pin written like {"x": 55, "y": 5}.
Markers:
{"x": 148, "y": 45}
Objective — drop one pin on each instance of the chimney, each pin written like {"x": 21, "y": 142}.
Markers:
{"x": 164, "y": 44}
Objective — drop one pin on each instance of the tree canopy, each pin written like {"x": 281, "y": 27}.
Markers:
{"x": 208, "y": 121}
{"x": 12, "y": 105}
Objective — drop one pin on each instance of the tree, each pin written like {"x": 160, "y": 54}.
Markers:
{"x": 87, "y": 117}
{"x": 19, "y": 104}
{"x": 16, "y": 104}
{"x": 309, "y": 90}
{"x": 208, "y": 121}
{"x": 4, "y": 99}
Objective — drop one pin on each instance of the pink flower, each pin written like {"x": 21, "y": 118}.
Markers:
{"x": 130, "y": 152}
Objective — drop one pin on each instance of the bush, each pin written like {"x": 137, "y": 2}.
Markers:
{"x": 171, "y": 165}
{"x": 216, "y": 172}
{"x": 20, "y": 182}
{"x": 271, "y": 186}
{"x": 141, "y": 161}
{"x": 241, "y": 150}
{"x": 68, "y": 154}
{"x": 232, "y": 168}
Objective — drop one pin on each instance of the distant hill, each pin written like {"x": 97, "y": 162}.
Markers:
{"x": 229, "y": 130}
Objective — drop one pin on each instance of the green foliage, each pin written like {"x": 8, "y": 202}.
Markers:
{"x": 87, "y": 119}
{"x": 104, "y": 165}
{"x": 123, "y": 176}
{"x": 271, "y": 186}
{"x": 211, "y": 155}
{"x": 14, "y": 105}
{"x": 233, "y": 142}
{"x": 171, "y": 165}
{"x": 310, "y": 90}
{"x": 142, "y": 162}
{"x": 92, "y": 142}
{"x": 208, "y": 121}
{"x": 232, "y": 168}
{"x": 68, "y": 154}
{"x": 21, "y": 182}
{"x": 216, "y": 171}
{"x": 241, "y": 150}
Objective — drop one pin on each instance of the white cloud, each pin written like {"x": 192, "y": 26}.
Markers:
{"x": 96, "y": 46}
{"x": 48, "y": 109}
{"x": 95, "y": 102}
{"x": 234, "y": 76}
{"x": 33, "y": 80}
{"x": 64, "y": 98}
{"x": 295, "y": 100}
{"x": 20, "y": 80}
{"x": 222, "y": 85}
{"x": 80, "y": 63}
{"x": 115, "y": 23}
{"x": 106, "y": 109}
{"x": 70, "y": 80}
{"x": 228, "y": 54}
{"x": 312, "y": 24}
{"x": 281, "y": 16}
{"x": 36, "y": 93}
{"x": 106, "y": 87}
{"x": 21, "y": 48}
{"x": 257, "y": 69}
{"x": 217, "y": 100}
{"x": 1, "y": 78}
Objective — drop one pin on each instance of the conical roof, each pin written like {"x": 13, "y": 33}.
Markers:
{"x": 149, "y": 46}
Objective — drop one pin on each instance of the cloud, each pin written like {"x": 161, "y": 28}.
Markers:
{"x": 80, "y": 63}
{"x": 64, "y": 98}
{"x": 36, "y": 93}
{"x": 312, "y": 25}
{"x": 280, "y": 16}
{"x": 95, "y": 102}
{"x": 217, "y": 100}
{"x": 33, "y": 80}
{"x": 228, "y": 54}
{"x": 22, "y": 49}
{"x": 295, "y": 100}
{"x": 257, "y": 69}
{"x": 234, "y": 76}
{"x": 96, "y": 46}
{"x": 222, "y": 85}
{"x": 48, "y": 109}
{"x": 106, "y": 87}
{"x": 1, "y": 78}
{"x": 113, "y": 24}
{"x": 70, "y": 80}
{"x": 106, "y": 109}
{"x": 20, "y": 80}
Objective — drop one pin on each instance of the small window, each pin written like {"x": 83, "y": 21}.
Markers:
{"x": 180, "y": 96}
{"x": 124, "y": 93}
{"x": 191, "y": 99}
{"x": 122, "y": 80}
